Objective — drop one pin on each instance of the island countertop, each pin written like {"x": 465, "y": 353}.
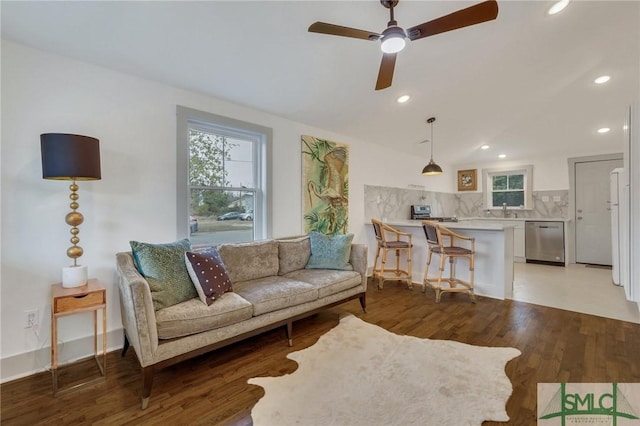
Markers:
{"x": 461, "y": 224}
{"x": 515, "y": 219}
{"x": 493, "y": 258}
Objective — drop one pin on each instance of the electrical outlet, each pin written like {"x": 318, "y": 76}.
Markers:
{"x": 31, "y": 318}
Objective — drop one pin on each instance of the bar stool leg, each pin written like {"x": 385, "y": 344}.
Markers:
{"x": 452, "y": 272}
{"x": 440, "y": 272}
{"x": 425, "y": 277}
{"x": 471, "y": 277}
{"x": 376, "y": 271}
{"x": 382, "y": 269}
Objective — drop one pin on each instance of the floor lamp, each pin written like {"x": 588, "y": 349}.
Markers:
{"x": 74, "y": 158}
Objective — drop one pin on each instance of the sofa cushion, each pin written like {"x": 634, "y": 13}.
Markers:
{"x": 193, "y": 316}
{"x": 249, "y": 261}
{"x": 273, "y": 293}
{"x": 293, "y": 254}
{"x": 330, "y": 252}
{"x": 163, "y": 267}
{"x": 327, "y": 281}
{"x": 208, "y": 274}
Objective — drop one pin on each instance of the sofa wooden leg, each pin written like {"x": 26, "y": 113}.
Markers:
{"x": 147, "y": 382}
{"x": 363, "y": 302}
{"x": 125, "y": 347}
{"x": 290, "y": 333}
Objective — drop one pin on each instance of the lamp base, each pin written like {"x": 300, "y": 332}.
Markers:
{"x": 74, "y": 276}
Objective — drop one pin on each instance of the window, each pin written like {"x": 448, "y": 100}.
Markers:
{"x": 512, "y": 188}
{"x": 222, "y": 173}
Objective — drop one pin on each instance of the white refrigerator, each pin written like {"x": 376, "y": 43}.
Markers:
{"x": 616, "y": 179}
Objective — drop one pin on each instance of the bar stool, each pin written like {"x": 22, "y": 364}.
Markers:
{"x": 436, "y": 233}
{"x": 399, "y": 242}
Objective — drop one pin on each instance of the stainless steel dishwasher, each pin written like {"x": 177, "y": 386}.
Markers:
{"x": 544, "y": 242}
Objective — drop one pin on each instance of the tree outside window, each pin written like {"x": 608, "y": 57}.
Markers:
{"x": 508, "y": 189}
{"x": 222, "y": 178}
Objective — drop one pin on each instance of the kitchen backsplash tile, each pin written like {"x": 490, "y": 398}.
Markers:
{"x": 388, "y": 203}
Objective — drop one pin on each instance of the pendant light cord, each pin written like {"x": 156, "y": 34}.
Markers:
{"x": 431, "y": 141}
{"x": 430, "y": 121}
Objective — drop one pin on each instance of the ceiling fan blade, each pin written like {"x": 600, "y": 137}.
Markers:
{"x": 482, "y": 12}
{"x": 385, "y": 75}
{"x": 331, "y": 29}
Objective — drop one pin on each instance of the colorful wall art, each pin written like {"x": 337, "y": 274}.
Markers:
{"x": 325, "y": 186}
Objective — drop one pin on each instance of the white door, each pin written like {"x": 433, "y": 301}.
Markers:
{"x": 593, "y": 219}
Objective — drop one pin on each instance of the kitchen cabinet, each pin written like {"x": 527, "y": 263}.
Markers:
{"x": 518, "y": 241}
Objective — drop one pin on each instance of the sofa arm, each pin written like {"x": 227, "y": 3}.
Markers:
{"x": 136, "y": 308}
{"x": 358, "y": 260}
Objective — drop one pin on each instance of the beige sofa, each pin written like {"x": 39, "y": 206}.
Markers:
{"x": 271, "y": 288}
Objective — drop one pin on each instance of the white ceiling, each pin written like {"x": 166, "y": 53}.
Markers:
{"x": 522, "y": 84}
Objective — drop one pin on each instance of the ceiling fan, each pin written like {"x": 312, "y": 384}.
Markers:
{"x": 393, "y": 37}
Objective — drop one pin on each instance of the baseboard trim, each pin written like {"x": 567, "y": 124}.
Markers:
{"x": 36, "y": 361}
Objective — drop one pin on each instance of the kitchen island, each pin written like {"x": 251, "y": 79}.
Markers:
{"x": 493, "y": 258}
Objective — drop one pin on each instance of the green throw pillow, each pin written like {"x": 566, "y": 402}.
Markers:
{"x": 164, "y": 268}
{"x": 330, "y": 252}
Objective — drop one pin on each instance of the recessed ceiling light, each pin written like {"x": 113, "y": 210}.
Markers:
{"x": 558, "y": 7}
{"x": 484, "y": 147}
{"x": 402, "y": 99}
{"x": 625, "y": 127}
{"x": 604, "y": 130}
{"x": 502, "y": 156}
{"x": 602, "y": 79}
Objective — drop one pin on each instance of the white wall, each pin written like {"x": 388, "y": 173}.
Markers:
{"x": 549, "y": 173}
{"x": 134, "y": 119}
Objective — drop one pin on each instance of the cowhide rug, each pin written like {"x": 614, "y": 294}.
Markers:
{"x": 360, "y": 374}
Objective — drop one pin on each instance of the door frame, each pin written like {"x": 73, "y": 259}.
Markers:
{"x": 571, "y": 226}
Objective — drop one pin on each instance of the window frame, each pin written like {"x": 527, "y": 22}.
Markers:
{"x": 487, "y": 179}
{"x": 262, "y": 147}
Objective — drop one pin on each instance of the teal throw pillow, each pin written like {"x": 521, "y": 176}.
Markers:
{"x": 330, "y": 252}
{"x": 164, "y": 269}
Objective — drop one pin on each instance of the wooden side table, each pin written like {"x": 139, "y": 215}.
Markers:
{"x": 69, "y": 301}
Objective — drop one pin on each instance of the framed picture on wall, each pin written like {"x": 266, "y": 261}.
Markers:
{"x": 467, "y": 180}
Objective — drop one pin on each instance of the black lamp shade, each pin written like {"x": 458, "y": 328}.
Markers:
{"x": 70, "y": 157}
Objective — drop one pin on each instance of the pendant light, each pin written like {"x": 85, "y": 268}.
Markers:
{"x": 432, "y": 168}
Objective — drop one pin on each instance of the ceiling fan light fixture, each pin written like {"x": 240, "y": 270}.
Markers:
{"x": 393, "y": 40}
{"x": 558, "y": 7}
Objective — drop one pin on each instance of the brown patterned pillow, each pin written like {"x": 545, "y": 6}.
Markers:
{"x": 208, "y": 274}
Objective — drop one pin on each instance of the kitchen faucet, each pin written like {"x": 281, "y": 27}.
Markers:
{"x": 505, "y": 213}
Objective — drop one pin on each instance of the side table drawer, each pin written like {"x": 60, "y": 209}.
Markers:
{"x": 69, "y": 303}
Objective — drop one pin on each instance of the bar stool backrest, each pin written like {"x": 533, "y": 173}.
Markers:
{"x": 377, "y": 229}
{"x": 431, "y": 232}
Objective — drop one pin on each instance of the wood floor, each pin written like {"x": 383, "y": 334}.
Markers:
{"x": 556, "y": 345}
